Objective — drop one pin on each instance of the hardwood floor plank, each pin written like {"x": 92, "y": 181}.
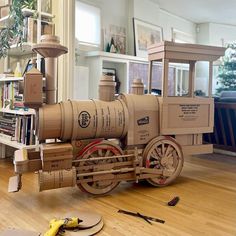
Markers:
{"x": 207, "y": 203}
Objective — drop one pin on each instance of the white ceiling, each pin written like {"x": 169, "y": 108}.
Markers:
{"x": 201, "y": 11}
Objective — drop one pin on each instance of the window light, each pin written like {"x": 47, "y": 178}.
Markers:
{"x": 87, "y": 24}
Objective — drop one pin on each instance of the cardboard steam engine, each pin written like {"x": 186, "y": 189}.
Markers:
{"x": 101, "y": 142}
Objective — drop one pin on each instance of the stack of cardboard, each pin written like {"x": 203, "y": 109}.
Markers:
{"x": 56, "y": 156}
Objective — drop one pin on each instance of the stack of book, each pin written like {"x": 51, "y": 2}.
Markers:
{"x": 8, "y": 124}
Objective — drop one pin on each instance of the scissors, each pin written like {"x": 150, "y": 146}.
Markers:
{"x": 146, "y": 218}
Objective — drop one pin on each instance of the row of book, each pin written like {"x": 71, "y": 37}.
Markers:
{"x": 10, "y": 96}
{"x": 19, "y": 128}
{"x": 30, "y": 29}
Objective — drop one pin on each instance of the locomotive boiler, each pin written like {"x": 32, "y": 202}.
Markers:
{"x": 98, "y": 143}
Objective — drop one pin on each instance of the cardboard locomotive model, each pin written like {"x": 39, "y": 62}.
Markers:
{"x": 101, "y": 142}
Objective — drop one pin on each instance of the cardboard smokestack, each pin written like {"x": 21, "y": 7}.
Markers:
{"x": 50, "y": 49}
{"x": 107, "y": 88}
{"x": 137, "y": 87}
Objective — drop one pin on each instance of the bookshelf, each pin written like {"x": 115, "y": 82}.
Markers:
{"x": 17, "y": 123}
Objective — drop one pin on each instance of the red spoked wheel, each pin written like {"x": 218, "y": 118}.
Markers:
{"x": 165, "y": 154}
{"x": 101, "y": 149}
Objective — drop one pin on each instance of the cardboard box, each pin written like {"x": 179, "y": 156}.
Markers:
{"x": 56, "y": 149}
{"x": 20, "y": 161}
{"x": 56, "y": 156}
{"x": 56, "y": 163}
{"x": 4, "y": 11}
{"x": 33, "y": 91}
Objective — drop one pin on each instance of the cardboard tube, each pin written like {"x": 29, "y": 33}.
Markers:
{"x": 83, "y": 120}
{"x": 107, "y": 88}
{"x": 51, "y": 83}
{"x": 137, "y": 87}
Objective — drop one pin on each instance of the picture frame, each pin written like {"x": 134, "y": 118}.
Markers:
{"x": 145, "y": 34}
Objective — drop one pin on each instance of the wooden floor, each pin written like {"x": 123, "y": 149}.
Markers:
{"x": 206, "y": 187}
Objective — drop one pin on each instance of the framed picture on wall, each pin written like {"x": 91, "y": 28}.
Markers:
{"x": 145, "y": 34}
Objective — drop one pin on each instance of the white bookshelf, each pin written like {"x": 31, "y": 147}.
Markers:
{"x": 20, "y": 50}
{"x": 10, "y": 79}
{"x": 18, "y": 112}
{"x": 29, "y": 12}
{"x": 26, "y": 12}
{"x": 6, "y": 140}
{"x": 97, "y": 60}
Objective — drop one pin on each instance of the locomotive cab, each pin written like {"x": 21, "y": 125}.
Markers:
{"x": 185, "y": 118}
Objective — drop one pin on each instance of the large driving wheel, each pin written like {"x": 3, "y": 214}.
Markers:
{"x": 165, "y": 154}
{"x": 102, "y": 149}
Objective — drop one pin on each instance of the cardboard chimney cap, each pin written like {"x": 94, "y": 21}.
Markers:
{"x": 49, "y": 47}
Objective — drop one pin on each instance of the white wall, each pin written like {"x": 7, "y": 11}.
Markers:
{"x": 121, "y": 13}
{"x": 149, "y": 11}
{"x": 219, "y": 32}
{"x": 215, "y": 35}
{"x": 203, "y": 33}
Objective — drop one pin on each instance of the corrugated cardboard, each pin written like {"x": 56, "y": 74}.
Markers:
{"x": 143, "y": 118}
{"x": 56, "y": 156}
{"x": 56, "y": 148}
{"x": 83, "y": 120}
{"x": 33, "y": 87}
{"x": 79, "y": 145}
{"x": 57, "y": 163}
{"x": 21, "y": 161}
{"x": 57, "y": 179}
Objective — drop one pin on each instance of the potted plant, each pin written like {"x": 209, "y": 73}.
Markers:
{"x": 12, "y": 32}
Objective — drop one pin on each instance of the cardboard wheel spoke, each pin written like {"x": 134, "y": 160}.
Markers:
{"x": 102, "y": 149}
{"x": 164, "y": 153}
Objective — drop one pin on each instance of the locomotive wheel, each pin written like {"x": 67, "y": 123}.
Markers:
{"x": 163, "y": 153}
{"x": 102, "y": 149}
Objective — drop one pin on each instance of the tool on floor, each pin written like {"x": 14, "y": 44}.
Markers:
{"x": 146, "y": 218}
{"x": 57, "y": 225}
{"x": 174, "y": 201}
